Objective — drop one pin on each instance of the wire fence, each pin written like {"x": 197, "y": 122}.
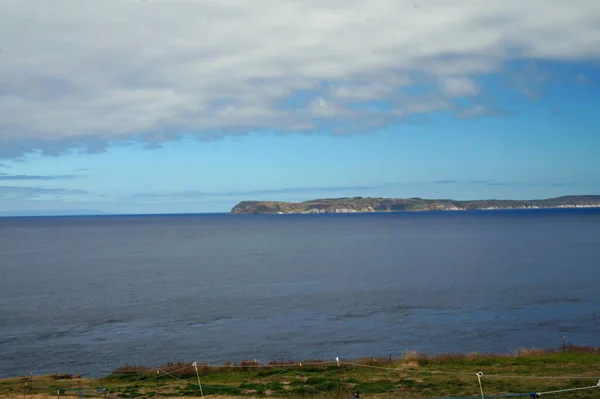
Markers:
{"x": 198, "y": 379}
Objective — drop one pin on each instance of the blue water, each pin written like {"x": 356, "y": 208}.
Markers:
{"x": 88, "y": 294}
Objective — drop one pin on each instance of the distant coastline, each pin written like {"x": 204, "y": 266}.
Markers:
{"x": 368, "y": 205}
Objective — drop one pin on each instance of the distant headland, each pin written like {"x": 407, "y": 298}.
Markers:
{"x": 360, "y": 204}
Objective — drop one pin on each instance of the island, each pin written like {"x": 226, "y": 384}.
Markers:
{"x": 360, "y": 204}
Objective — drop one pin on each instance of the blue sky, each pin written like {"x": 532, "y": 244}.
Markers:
{"x": 135, "y": 114}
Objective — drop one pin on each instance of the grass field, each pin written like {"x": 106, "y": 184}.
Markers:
{"x": 412, "y": 376}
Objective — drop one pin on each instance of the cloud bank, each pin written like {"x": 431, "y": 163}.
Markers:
{"x": 81, "y": 74}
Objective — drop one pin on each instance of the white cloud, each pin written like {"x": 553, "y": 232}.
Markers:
{"x": 459, "y": 87}
{"x": 75, "y": 73}
{"x": 381, "y": 87}
{"x": 322, "y": 108}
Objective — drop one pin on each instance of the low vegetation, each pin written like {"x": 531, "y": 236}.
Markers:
{"x": 411, "y": 376}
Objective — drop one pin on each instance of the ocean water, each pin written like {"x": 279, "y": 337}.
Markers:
{"x": 88, "y": 294}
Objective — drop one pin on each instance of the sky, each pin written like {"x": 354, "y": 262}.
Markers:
{"x": 186, "y": 106}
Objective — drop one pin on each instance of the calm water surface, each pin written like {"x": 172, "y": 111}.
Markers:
{"x": 87, "y": 294}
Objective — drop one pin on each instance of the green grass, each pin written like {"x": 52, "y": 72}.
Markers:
{"x": 415, "y": 375}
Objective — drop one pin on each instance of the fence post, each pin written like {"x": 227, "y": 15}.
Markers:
{"x": 198, "y": 376}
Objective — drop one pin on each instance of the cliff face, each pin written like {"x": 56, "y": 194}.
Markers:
{"x": 359, "y": 204}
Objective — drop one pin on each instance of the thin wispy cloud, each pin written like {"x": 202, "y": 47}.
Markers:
{"x": 476, "y": 182}
{"x": 514, "y": 183}
{"x": 478, "y": 111}
{"x": 333, "y": 191}
{"x": 530, "y": 78}
{"x": 585, "y": 80}
{"x": 6, "y": 176}
{"x": 446, "y": 181}
{"x": 193, "y": 195}
{"x": 162, "y": 69}
{"x": 36, "y": 192}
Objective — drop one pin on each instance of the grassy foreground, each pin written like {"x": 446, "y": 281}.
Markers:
{"x": 412, "y": 376}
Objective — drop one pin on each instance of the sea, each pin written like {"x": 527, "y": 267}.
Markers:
{"x": 86, "y": 295}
